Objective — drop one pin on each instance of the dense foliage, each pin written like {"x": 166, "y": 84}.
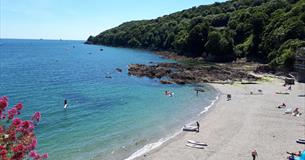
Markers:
{"x": 260, "y": 30}
{"x": 17, "y": 138}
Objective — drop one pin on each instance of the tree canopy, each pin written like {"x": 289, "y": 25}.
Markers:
{"x": 260, "y": 30}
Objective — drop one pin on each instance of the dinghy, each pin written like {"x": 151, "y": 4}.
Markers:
{"x": 189, "y": 128}
{"x": 301, "y": 141}
{"x": 194, "y": 146}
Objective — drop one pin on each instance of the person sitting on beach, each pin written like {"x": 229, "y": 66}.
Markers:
{"x": 289, "y": 88}
{"x": 282, "y": 105}
{"x": 296, "y": 112}
{"x": 293, "y": 155}
{"x": 229, "y": 97}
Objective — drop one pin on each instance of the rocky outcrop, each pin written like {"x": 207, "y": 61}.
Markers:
{"x": 182, "y": 74}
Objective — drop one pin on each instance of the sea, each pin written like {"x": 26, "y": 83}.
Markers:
{"x": 111, "y": 115}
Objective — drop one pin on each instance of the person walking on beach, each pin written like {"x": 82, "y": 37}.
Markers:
{"x": 198, "y": 126}
{"x": 254, "y": 154}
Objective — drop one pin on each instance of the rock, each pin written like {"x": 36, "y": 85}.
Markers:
{"x": 179, "y": 81}
{"x": 165, "y": 82}
{"x": 182, "y": 74}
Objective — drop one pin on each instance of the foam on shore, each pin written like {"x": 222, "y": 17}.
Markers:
{"x": 149, "y": 147}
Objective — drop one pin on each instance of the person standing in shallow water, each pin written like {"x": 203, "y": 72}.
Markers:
{"x": 65, "y": 104}
{"x": 254, "y": 154}
{"x": 197, "y": 123}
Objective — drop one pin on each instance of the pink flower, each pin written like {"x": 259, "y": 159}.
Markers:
{"x": 33, "y": 144}
{"x": 3, "y": 152}
{"x": 19, "y": 148}
{"x": 11, "y": 113}
{"x": 36, "y": 117}
{"x": 19, "y": 106}
{"x": 17, "y": 122}
{"x": 5, "y": 98}
{"x": 19, "y": 140}
{"x": 3, "y": 116}
{"x": 45, "y": 156}
{"x": 33, "y": 154}
{"x": 3, "y": 103}
{"x": 26, "y": 124}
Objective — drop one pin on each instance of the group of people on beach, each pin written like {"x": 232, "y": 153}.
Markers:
{"x": 300, "y": 155}
{"x": 295, "y": 112}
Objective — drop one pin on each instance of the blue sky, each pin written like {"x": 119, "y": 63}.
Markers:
{"x": 77, "y": 19}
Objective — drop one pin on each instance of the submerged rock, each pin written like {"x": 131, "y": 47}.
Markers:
{"x": 119, "y": 69}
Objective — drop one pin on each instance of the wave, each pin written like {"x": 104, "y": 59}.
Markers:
{"x": 209, "y": 106}
{"x": 149, "y": 147}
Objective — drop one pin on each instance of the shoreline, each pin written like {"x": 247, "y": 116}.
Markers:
{"x": 230, "y": 136}
{"x": 155, "y": 145}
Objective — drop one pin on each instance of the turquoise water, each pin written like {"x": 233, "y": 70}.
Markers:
{"x": 107, "y": 118}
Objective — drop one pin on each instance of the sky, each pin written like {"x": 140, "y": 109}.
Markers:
{"x": 78, "y": 19}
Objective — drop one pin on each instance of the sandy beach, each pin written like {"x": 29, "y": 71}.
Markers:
{"x": 232, "y": 129}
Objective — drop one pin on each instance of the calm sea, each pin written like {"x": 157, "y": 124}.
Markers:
{"x": 107, "y": 118}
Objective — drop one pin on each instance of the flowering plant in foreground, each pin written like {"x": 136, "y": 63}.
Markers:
{"x": 17, "y": 138}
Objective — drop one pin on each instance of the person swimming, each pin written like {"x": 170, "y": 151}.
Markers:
{"x": 169, "y": 93}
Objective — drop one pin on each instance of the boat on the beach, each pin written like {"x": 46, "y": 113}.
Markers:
{"x": 197, "y": 143}
{"x": 301, "y": 141}
{"x": 190, "y": 127}
{"x": 285, "y": 93}
{"x": 194, "y": 146}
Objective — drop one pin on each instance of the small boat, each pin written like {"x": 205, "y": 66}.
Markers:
{"x": 301, "y": 141}
{"x": 197, "y": 143}
{"x": 285, "y": 93}
{"x": 190, "y": 128}
{"x": 194, "y": 146}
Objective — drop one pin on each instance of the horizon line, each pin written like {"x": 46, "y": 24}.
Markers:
{"x": 42, "y": 39}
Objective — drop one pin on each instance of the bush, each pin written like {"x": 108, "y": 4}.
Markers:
{"x": 17, "y": 138}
